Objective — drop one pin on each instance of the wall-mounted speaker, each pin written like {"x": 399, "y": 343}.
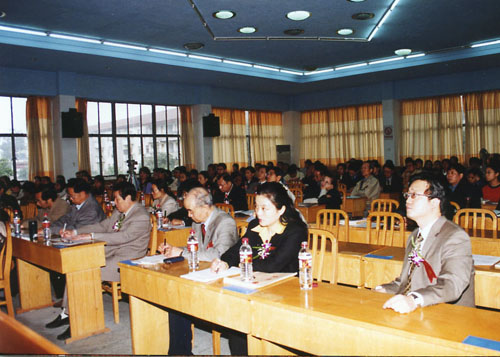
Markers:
{"x": 211, "y": 126}
{"x": 72, "y": 124}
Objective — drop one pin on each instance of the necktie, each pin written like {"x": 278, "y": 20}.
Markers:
{"x": 203, "y": 231}
{"x": 416, "y": 249}
{"x": 226, "y": 197}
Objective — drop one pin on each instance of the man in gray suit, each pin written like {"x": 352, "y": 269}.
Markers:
{"x": 48, "y": 202}
{"x": 439, "y": 267}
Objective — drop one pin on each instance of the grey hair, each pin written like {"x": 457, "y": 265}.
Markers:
{"x": 201, "y": 197}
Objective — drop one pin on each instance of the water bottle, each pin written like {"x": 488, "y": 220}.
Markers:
{"x": 143, "y": 199}
{"x": 246, "y": 261}
{"x": 17, "y": 224}
{"x": 192, "y": 246}
{"x": 46, "y": 227}
{"x": 305, "y": 268}
{"x": 159, "y": 217}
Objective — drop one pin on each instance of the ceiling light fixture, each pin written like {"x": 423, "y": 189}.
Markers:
{"x": 223, "y": 14}
{"x": 291, "y": 72}
{"x": 293, "y": 32}
{"x": 384, "y": 18}
{"x": 19, "y": 30}
{"x": 355, "y": 0}
{"x": 2, "y": 14}
{"x": 319, "y": 72}
{"x": 165, "y": 52}
{"x": 75, "y": 38}
{"x": 205, "y": 58}
{"x": 298, "y": 15}
{"x": 489, "y": 43}
{"x": 386, "y": 60}
{"x": 351, "y": 66}
{"x": 416, "y": 55}
{"x": 363, "y": 16}
{"x": 247, "y": 29}
{"x": 116, "y": 44}
{"x": 193, "y": 46}
{"x": 345, "y": 31}
{"x": 403, "y": 51}
{"x": 236, "y": 63}
{"x": 266, "y": 68}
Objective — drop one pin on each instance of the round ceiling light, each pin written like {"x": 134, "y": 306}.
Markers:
{"x": 193, "y": 46}
{"x": 355, "y": 0}
{"x": 247, "y": 29}
{"x": 293, "y": 32}
{"x": 298, "y": 15}
{"x": 363, "y": 16}
{"x": 345, "y": 31}
{"x": 403, "y": 52}
{"x": 223, "y": 14}
{"x": 2, "y": 14}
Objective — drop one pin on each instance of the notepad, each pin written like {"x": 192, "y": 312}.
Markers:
{"x": 260, "y": 279}
{"x": 487, "y": 260}
{"x": 207, "y": 276}
{"x": 150, "y": 260}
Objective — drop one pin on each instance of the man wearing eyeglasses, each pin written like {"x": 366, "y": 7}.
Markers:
{"x": 439, "y": 266}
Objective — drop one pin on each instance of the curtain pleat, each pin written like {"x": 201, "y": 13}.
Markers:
{"x": 187, "y": 137}
{"x": 230, "y": 147}
{"x": 82, "y": 144}
{"x": 266, "y": 131}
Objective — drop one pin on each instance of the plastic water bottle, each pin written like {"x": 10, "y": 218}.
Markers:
{"x": 246, "y": 261}
{"x": 17, "y": 224}
{"x": 143, "y": 199}
{"x": 192, "y": 246}
{"x": 159, "y": 217}
{"x": 46, "y": 227}
{"x": 305, "y": 268}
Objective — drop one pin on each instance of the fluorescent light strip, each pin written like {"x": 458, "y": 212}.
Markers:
{"x": 384, "y": 18}
{"x": 394, "y": 4}
{"x": 237, "y": 63}
{"x": 171, "y": 53}
{"x": 291, "y": 72}
{"x": 205, "y": 58}
{"x": 372, "y": 34}
{"x": 29, "y": 32}
{"x": 485, "y": 44}
{"x": 416, "y": 55}
{"x": 386, "y": 60}
{"x": 132, "y": 47}
{"x": 74, "y": 38}
{"x": 266, "y": 68}
{"x": 319, "y": 72}
{"x": 351, "y": 66}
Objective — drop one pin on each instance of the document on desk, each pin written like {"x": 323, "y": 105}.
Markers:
{"x": 487, "y": 260}
{"x": 149, "y": 260}
{"x": 260, "y": 279}
{"x": 207, "y": 276}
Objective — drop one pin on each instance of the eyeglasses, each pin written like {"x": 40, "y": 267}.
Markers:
{"x": 414, "y": 195}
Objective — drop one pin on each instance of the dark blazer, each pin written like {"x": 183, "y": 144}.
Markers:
{"x": 448, "y": 251}
{"x": 396, "y": 184}
{"x": 237, "y": 197}
{"x": 284, "y": 256}
{"x": 90, "y": 213}
{"x": 332, "y": 199}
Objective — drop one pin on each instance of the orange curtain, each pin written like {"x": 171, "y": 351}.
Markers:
{"x": 431, "y": 128}
{"x": 187, "y": 137}
{"x": 266, "y": 131}
{"x": 230, "y": 147}
{"x": 482, "y": 122}
{"x": 40, "y": 137}
{"x": 338, "y": 134}
{"x": 82, "y": 144}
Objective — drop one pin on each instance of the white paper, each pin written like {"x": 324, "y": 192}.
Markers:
{"x": 485, "y": 259}
{"x": 207, "y": 276}
{"x": 147, "y": 260}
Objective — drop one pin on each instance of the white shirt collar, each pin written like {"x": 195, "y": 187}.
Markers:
{"x": 425, "y": 231}
{"x": 80, "y": 205}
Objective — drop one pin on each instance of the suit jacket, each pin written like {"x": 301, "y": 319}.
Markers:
{"x": 130, "y": 242}
{"x": 167, "y": 203}
{"x": 90, "y": 213}
{"x": 59, "y": 209}
{"x": 237, "y": 197}
{"x": 448, "y": 250}
{"x": 220, "y": 235}
{"x": 396, "y": 184}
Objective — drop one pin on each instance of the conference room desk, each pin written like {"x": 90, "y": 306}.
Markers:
{"x": 175, "y": 237}
{"x": 354, "y": 205}
{"x": 310, "y": 212}
{"x": 328, "y": 320}
{"x": 82, "y": 266}
{"x": 350, "y": 262}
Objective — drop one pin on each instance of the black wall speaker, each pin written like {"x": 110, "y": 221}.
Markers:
{"x": 72, "y": 124}
{"x": 211, "y": 126}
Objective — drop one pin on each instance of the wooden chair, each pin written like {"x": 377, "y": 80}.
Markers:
{"x": 226, "y": 207}
{"x": 341, "y": 186}
{"x": 455, "y": 205}
{"x": 324, "y": 249}
{"x": 295, "y": 184}
{"x": 477, "y": 219}
{"x": 29, "y": 210}
{"x": 5, "y": 267}
{"x": 115, "y": 289}
{"x": 389, "y": 229}
{"x": 384, "y": 205}
{"x": 251, "y": 200}
{"x": 242, "y": 228}
{"x": 148, "y": 198}
{"x": 329, "y": 219}
{"x": 299, "y": 195}
{"x": 153, "y": 236}
{"x": 10, "y": 212}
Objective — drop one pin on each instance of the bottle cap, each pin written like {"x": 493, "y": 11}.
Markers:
{"x": 303, "y": 244}
{"x": 244, "y": 240}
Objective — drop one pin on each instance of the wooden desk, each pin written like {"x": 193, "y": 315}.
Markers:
{"x": 355, "y": 206}
{"x": 338, "y": 320}
{"x": 175, "y": 237}
{"x": 351, "y": 267}
{"x": 15, "y": 338}
{"x": 310, "y": 212}
{"x": 82, "y": 266}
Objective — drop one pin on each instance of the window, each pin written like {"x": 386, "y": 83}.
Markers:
{"x": 148, "y": 134}
{"x": 13, "y": 139}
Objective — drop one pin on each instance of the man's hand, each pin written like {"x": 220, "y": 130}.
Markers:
{"x": 67, "y": 234}
{"x": 169, "y": 251}
{"x": 380, "y": 289}
{"x": 218, "y": 266}
{"x": 401, "y": 303}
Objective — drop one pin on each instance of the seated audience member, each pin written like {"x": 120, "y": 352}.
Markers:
{"x": 458, "y": 188}
{"x": 251, "y": 181}
{"x": 475, "y": 184}
{"x": 261, "y": 175}
{"x": 126, "y": 234}
{"x": 293, "y": 174}
{"x": 274, "y": 174}
{"x": 221, "y": 169}
{"x": 427, "y": 166}
{"x": 275, "y": 237}
{"x": 15, "y": 190}
{"x": 84, "y": 209}
{"x": 390, "y": 181}
{"x": 145, "y": 180}
{"x": 60, "y": 186}
{"x": 212, "y": 173}
{"x": 340, "y": 172}
{"x": 408, "y": 172}
{"x": 182, "y": 183}
{"x": 230, "y": 193}
{"x": 181, "y": 216}
{"x": 439, "y": 267}
{"x": 491, "y": 191}
{"x": 204, "y": 180}
{"x": 48, "y": 202}
{"x": 216, "y": 232}
{"x": 7, "y": 201}
{"x": 98, "y": 186}
{"x": 329, "y": 195}
{"x": 368, "y": 187}
{"x": 314, "y": 188}
{"x": 352, "y": 177}
{"x": 163, "y": 199}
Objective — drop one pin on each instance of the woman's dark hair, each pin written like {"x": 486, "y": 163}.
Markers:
{"x": 162, "y": 185}
{"x": 146, "y": 170}
{"x": 278, "y": 195}
{"x": 204, "y": 174}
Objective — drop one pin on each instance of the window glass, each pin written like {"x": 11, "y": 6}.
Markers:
{"x": 161, "y": 119}
{"x": 94, "y": 155}
{"x": 147, "y": 119}
{"x": 122, "y": 154}
{"x": 173, "y": 152}
{"x": 172, "y": 120}
{"x": 134, "y": 119}
{"x": 22, "y": 157}
{"x": 92, "y": 118}
{"x": 6, "y": 168}
{"x": 105, "y": 118}
{"x": 5, "y": 122}
{"x": 19, "y": 115}
{"x": 107, "y": 156}
{"x": 121, "y": 118}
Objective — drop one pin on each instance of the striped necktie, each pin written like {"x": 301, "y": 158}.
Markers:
{"x": 418, "y": 243}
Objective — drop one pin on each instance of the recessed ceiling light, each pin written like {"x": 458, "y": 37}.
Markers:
{"x": 403, "y": 52}
{"x": 193, "y": 45}
{"x": 298, "y": 15}
{"x": 345, "y": 32}
{"x": 293, "y": 32}
{"x": 247, "y": 29}
{"x": 223, "y": 14}
{"x": 2, "y": 14}
{"x": 363, "y": 16}
{"x": 355, "y": 0}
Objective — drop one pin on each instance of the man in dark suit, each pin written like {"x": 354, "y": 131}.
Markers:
{"x": 439, "y": 267}
{"x": 390, "y": 181}
{"x": 230, "y": 193}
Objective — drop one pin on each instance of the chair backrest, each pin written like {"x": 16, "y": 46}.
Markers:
{"x": 226, "y": 207}
{"x": 251, "y": 200}
{"x": 153, "y": 236}
{"x": 477, "y": 219}
{"x": 10, "y": 212}
{"x": 6, "y": 254}
{"x": 324, "y": 249}
{"x": 455, "y": 206}
{"x": 342, "y": 188}
{"x": 329, "y": 219}
{"x": 242, "y": 228}
{"x": 385, "y": 228}
{"x": 384, "y": 205}
{"x": 29, "y": 210}
{"x": 148, "y": 198}
{"x": 299, "y": 195}
{"x": 295, "y": 184}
